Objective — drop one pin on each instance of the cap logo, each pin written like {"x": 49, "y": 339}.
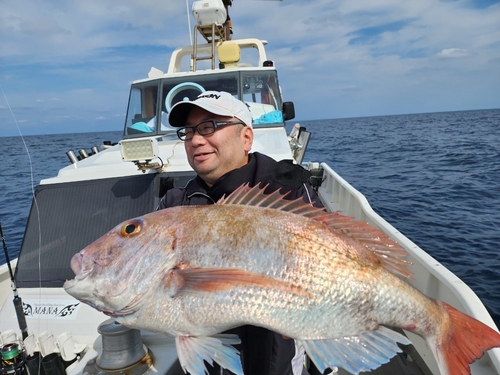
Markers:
{"x": 211, "y": 96}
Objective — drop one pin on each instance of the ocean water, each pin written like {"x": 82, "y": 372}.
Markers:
{"x": 435, "y": 177}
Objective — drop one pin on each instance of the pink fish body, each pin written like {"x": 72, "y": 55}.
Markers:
{"x": 320, "y": 278}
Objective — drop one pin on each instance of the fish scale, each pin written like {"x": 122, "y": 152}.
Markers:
{"x": 323, "y": 279}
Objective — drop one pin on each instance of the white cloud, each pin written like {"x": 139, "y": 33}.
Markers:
{"x": 453, "y": 53}
{"x": 335, "y": 59}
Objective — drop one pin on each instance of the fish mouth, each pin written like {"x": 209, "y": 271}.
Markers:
{"x": 68, "y": 284}
{"x": 81, "y": 265}
{"x": 77, "y": 263}
{"x": 105, "y": 301}
{"x": 130, "y": 309}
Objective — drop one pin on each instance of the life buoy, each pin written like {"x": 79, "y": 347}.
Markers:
{"x": 182, "y": 92}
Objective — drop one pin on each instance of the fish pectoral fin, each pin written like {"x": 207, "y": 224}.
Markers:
{"x": 196, "y": 280}
{"x": 356, "y": 354}
{"x": 192, "y": 351}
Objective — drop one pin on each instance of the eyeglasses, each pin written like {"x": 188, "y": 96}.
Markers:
{"x": 203, "y": 128}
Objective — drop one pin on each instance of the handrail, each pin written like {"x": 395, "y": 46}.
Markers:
{"x": 430, "y": 276}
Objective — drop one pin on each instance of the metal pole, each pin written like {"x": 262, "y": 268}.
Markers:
{"x": 189, "y": 23}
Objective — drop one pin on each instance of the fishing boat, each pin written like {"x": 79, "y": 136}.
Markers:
{"x": 41, "y": 326}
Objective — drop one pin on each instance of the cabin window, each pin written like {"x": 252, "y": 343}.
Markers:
{"x": 261, "y": 93}
{"x": 141, "y": 111}
{"x": 257, "y": 88}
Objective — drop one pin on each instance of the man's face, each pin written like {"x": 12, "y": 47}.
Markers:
{"x": 225, "y": 150}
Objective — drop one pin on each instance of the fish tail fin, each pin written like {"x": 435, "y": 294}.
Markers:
{"x": 464, "y": 342}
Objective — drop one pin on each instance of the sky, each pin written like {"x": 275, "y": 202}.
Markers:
{"x": 66, "y": 65}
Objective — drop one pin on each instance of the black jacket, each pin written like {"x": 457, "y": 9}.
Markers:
{"x": 263, "y": 352}
{"x": 261, "y": 169}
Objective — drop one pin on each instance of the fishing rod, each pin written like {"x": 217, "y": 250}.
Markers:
{"x": 18, "y": 303}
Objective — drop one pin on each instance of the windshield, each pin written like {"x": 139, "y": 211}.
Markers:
{"x": 147, "y": 116}
{"x": 261, "y": 94}
{"x": 142, "y": 109}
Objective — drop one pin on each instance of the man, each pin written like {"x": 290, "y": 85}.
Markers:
{"x": 217, "y": 132}
{"x": 221, "y": 157}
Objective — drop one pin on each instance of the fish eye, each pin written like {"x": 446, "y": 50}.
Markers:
{"x": 131, "y": 228}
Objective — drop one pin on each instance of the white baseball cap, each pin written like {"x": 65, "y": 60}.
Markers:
{"x": 217, "y": 102}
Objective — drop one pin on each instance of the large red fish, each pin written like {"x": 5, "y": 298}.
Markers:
{"x": 321, "y": 278}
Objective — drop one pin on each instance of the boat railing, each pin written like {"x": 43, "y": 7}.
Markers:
{"x": 430, "y": 276}
{"x": 4, "y": 280}
{"x": 179, "y": 54}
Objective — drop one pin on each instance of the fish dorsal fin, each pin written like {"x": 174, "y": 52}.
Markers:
{"x": 389, "y": 252}
{"x": 255, "y": 196}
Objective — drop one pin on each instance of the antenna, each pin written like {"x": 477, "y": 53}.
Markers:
{"x": 189, "y": 23}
